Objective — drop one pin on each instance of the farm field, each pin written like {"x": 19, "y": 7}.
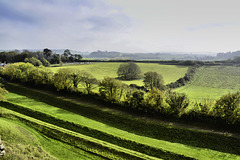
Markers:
{"x": 170, "y": 73}
{"x": 23, "y": 142}
{"x": 212, "y": 82}
{"x": 36, "y": 105}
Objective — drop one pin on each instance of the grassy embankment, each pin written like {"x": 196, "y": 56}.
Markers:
{"x": 211, "y": 82}
{"x": 170, "y": 73}
{"x": 126, "y": 137}
{"x": 22, "y": 142}
{"x": 86, "y": 143}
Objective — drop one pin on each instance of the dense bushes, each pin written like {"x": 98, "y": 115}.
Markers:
{"x": 158, "y": 102}
{"x": 228, "y": 107}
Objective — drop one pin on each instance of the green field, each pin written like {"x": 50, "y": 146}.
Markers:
{"x": 170, "y": 73}
{"x": 211, "y": 82}
{"x": 125, "y": 136}
{"x": 22, "y": 142}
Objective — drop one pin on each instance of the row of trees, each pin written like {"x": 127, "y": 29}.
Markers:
{"x": 45, "y": 58}
{"x": 159, "y": 99}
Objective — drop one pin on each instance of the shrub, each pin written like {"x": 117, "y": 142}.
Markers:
{"x": 228, "y": 107}
{"x": 178, "y": 102}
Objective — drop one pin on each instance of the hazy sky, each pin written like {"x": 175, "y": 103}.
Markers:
{"x": 121, "y": 25}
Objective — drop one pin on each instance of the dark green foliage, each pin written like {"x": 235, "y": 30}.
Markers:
{"x": 33, "y": 61}
{"x": 88, "y": 82}
{"x": 129, "y": 71}
{"x": 155, "y": 101}
{"x": 46, "y": 57}
{"x": 178, "y": 102}
{"x": 153, "y": 80}
{"x": 182, "y": 81}
{"x": 228, "y": 107}
{"x": 135, "y": 99}
{"x": 111, "y": 89}
{"x": 44, "y": 62}
{"x": 134, "y": 86}
{"x": 67, "y": 56}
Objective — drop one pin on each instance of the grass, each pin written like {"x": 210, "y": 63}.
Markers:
{"x": 22, "y": 142}
{"x": 212, "y": 82}
{"x": 196, "y": 152}
{"x": 75, "y": 139}
{"x": 170, "y": 73}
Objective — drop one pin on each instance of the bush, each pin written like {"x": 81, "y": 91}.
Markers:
{"x": 155, "y": 101}
{"x": 228, "y": 107}
{"x": 178, "y": 102}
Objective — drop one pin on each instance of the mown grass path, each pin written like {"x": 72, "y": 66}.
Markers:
{"x": 190, "y": 151}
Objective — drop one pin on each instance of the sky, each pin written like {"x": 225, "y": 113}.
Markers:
{"x": 131, "y": 26}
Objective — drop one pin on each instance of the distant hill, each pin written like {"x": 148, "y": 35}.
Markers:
{"x": 228, "y": 55}
{"x": 147, "y": 56}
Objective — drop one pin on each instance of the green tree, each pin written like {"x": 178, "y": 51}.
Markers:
{"x": 88, "y": 81}
{"x": 35, "y": 61}
{"x": 12, "y": 72}
{"x": 155, "y": 100}
{"x": 228, "y": 107}
{"x": 47, "y": 52}
{"x": 62, "y": 79}
{"x": 153, "y": 80}
{"x": 76, "y": 77}
{"x": 178, "y": 102}
{"x": 67, "y": 53}
{"x": 135, "y": 99}
{"x": 44, "y": 62}
{"x": 110, "y": 89}
{"x": 129, "y": 71}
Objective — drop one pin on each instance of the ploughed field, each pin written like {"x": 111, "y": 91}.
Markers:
{"x": 98, "y": 131}
{"x": 170, "y": 73}
{"x": 212, "y": 82}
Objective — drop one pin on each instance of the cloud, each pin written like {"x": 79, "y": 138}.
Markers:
{"x": 59, "y": 23}
{"x": 211, "y": 26}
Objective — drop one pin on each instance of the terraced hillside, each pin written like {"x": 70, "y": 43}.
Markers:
{"x": 211, "y": 82}
{"x": 23, "y": 142}
{"x": 111, "y": 133}
{"x": 170, "y": 73}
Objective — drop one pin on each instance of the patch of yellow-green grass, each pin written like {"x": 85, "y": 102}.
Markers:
{"x": 195, "y": 152}
{"x": 99, "y": 70}
{"x": 212, "y": 82}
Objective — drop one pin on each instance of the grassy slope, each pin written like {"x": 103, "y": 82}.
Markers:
{"x": 211, "y": 82}
{"x": 77, "y": 140}
{"x": 65, "y": 115}
{"x": 170, "y": 73}
{"x": 23, "y": 142}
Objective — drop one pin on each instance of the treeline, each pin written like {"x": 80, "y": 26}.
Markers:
{"x": 160, "y": 102}
{"x": 45, "y": 57}
{"x": 184, "y": 80}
